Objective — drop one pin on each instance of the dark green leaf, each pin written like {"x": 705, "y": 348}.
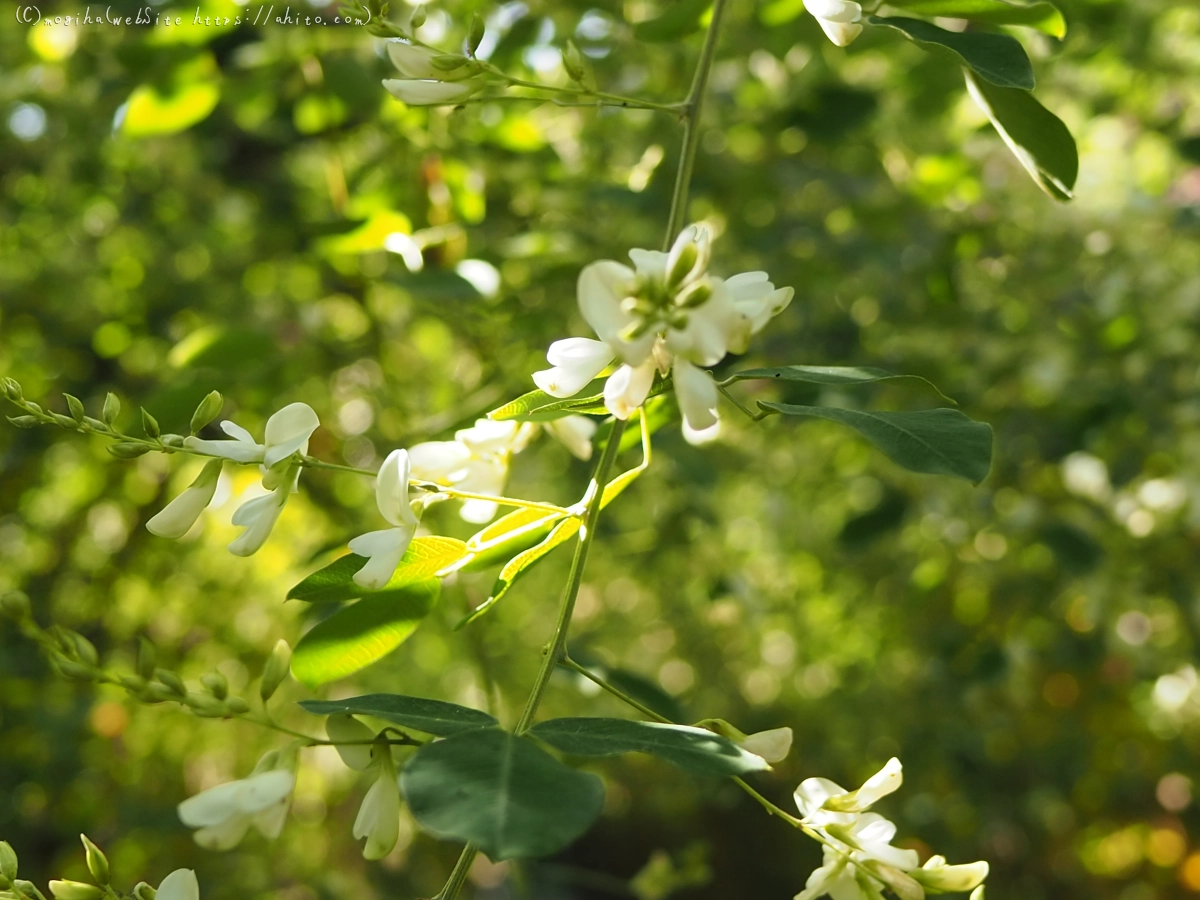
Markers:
{"x": 1043, "y": 16}
{"x": 425, "y": 558}
{"x": 419, "y": 713}
{"x": 933, "y": 441}
{"x": 681, "y": 18}
{"x": 830, "y": 375}
{"x": 355, "y": 637}
{"x": 501, "y": 792}
{"x": 1038, "y": 138}
{"x": 997, "y": 58}
{"x": 695, "y": 749}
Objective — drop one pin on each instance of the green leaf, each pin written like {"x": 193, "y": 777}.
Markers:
{"x": 694, "y": 749}
{"x": 1038, "y": 138}
{"x": 681, "y": 18}
{"x": 354, "y": 637}
{"x": 1045, "y": 17}
{"x": 998, "y": 58}
{"x": 830, "y": 375}
{"x": 538, "y": 406}
{"x": 933, "y": 441}
{"x": 425, "y": 558}
{"x": 419, "y": 713}
{"x": 506, "y": 537}
{"x": 500, "y": 792}
{"x": 559, "y": 535}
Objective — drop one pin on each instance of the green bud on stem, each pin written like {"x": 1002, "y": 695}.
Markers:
{"x": 8, "y": 857}
{"x": 25, "y": 421}
{"x": 209, "y": 409}
{"x": 146, "y": 658}
{"x": 128, "y": 450}
{"x": 275, "y": 670}
{"x": 172, "y": 681}
{"x": 112, "y": 409}
{"x": 150, "y": 424}
{"x": 143, "y": 891}
{"x": 417, "y": 19}
{"x": 237, "y": 706}
{"x": 75, "y": 405}
{"x": 217, "y": 684}
{"x": 75, "y": 890}
{"x": 97, "y": 862}
{"x": 475, "y": 34}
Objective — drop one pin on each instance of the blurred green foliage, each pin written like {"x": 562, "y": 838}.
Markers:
{"x": 1009, "y": 642}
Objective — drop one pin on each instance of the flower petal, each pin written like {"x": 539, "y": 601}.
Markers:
{"x": 602, "y": 287}
{"x": 176, "y": 518}
{"x": 238, "y": 451}
{"x": 258, "y": 516}
{"x": 697, "y": 395}
{"x": 773, "y": 745}
{"x": 386, "y": 548}
{"x": 258, "y": 792}
{"x": 626, "y": 389}
{"x": 430, "y": 93}
{"x": 438, "y": 461}
{"x": 487, "y": 436}
{"x": 179, "y": 885}
{"x": 225, "y": 836}
{"x": 391, "y": 489}
{"x": 378, "y": 818}
{"x": 211, "y": 807}
{"x": 575, "y": 433}
{"x": 345, "y": 728}
{"x": 287, "y": 431}
{"x": 576, "y": 362}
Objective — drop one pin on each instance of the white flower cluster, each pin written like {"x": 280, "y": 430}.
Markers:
{"x": 665, "y": 315}
{"x": 286, "y": 435}
{"x": 860, "y": 861}
{"x": 431, "y": 78}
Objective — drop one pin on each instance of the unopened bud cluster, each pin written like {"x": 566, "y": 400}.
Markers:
{"x": 179, "y": 885}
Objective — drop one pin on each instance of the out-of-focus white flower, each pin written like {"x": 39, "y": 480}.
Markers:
{"x": 224, "y": 814}
{"x": 378, "y": 818}
{"x": 839, "y": 19}
{"x": 665, "y": 314}
{"x": 575, "y": 433}
{"x": 1087, "y": 476}
{"x": 177, "y": 517}
{"x": 179, "y": 885}
{"x": 862, "y": 861}
{"x": 773, "y": 745}
{"x": 426, "y": 84}
{"x": 384, "y": 549}
{"x": 475, "y": 462}
{"x": 287, "y": 432}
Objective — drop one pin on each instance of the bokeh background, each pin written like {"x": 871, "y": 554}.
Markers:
{"x": 1026, "y": 647}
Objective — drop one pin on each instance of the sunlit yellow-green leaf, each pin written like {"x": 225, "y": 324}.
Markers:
{"x": 148, "y": 112}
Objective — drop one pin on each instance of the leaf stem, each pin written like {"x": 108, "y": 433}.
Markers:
{"x": 646, "y": 711}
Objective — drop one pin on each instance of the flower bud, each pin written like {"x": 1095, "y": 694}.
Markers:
{"x": 84, "y": 649}
{"x": 97, "y": 862}
{"x": 977, "y": 894}
{"x": 128, "y": 450}
{"x": 217, "y": 684}
{"x": 143, "y": 891}
{"x": 95, "y": 423}
{"x": 15, "y": 605}
{"x": 683, "y": 263}
{"x": 157, "y": 693}
{"x": 417, "y": 19}
{"x": 172, "y": 440}
{"x": 112, "y": 409}
{"x": 275, "y": 670}
{"x": 25, "y": 421}
{"x": 209, "y": 409}
{"x": 8, "y": 856}
{"x": 205, "y": 706}
{"x": 899, "y": 883}
{"x": 172, "y": 681}
{"x": 64, "y": 421}
{"x": 75, "y": 405}
{"x": 72, "y": 669}
{"x": 150, "y": 424}
{"x": 11, "y": 389}
{"x": 75, "y": 890}
{"x": 237, "y": 706}
{"x": 146, "y": 658}
{"x": 574, "y": 62}
{"x": 27, "y": 889}
{"x": 133, "y": 683}
{"x": 475, "y": 34}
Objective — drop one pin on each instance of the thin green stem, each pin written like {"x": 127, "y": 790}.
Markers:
{"x": 458, "y": 876}
{"x": 646, "y": 711}
{"x": 692, "y": 108}
{"x": 554, "y": 652}
{"x": 614, "y": 99}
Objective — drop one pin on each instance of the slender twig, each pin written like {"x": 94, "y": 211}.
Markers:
{"x": 646, "y": 711}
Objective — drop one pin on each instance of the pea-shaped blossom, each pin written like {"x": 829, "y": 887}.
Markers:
{"x": 665, "y": 315}
{"x": 839, "y": 19}
{"x": 378, "y": 818}
{"x": 177, "y": 517}
{"x": 384, "y": 549}
{"x": 224, "y": 814}
{"x": 426, "y": 84}
{"x": 475, "y": 462}
{"x": 287, "y": 433}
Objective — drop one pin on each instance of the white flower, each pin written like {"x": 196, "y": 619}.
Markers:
{"x": 177, "y": 517}
{"x": 576, "y": 362}
{"x": 225, "y": 813}
{"x": 475, "y": 462}
{"x": 862, "y": 861}
{"x": 773, "y": 745}
{"x": 431, "y": 93}
{"x": 378, "y": 818}
{"x": 287, "y": 432}
{"x": 258, "y": 516}
{"x": 937, "y": 876}
{"x": 665, "y": 314}
{"x": 822, "y": 801}
{"x": 424, "y": 84}
{"x": 384, "y": 549}
{"x": 179, "y": 885}
{"x": 575, "y": 433}
{"x": 839, "y": 19}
